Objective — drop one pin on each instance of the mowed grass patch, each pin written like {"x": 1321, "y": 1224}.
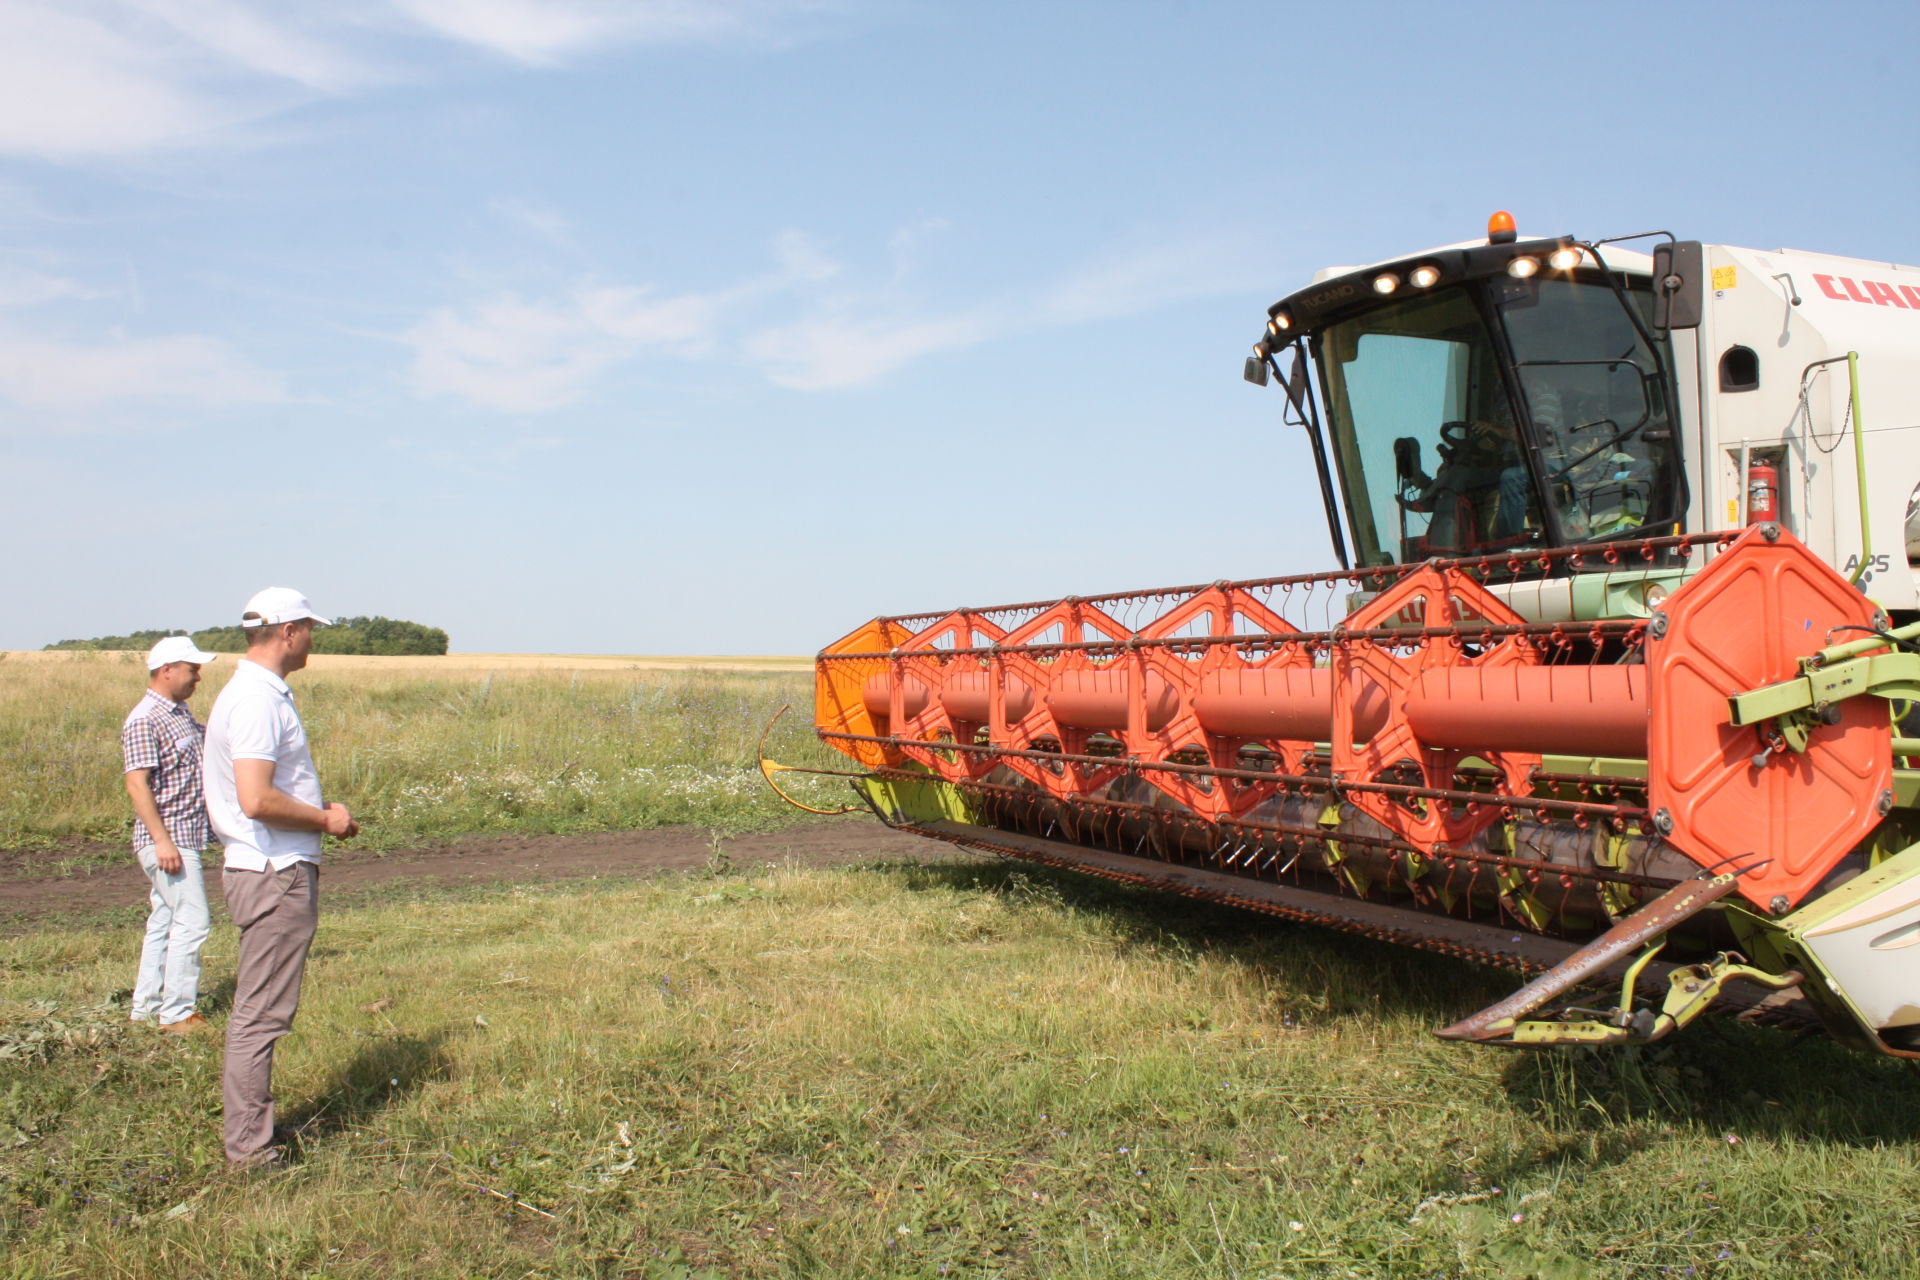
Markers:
{"x": 917, "y": 1071}
{"x": 423, "y": 753}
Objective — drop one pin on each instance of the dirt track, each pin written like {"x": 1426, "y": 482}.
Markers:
{"x": 517, "y": 859}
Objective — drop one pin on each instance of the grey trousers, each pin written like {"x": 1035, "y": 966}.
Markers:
{"x": 276, "y": 912}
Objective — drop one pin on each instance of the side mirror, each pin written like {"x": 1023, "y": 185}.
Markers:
{"x": 1679, "y": 285}
{"x": 1293, "y": 383}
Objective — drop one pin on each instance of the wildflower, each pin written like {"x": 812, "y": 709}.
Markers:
{"x": 1296, "y": 1226}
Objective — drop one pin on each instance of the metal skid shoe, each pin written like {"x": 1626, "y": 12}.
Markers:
{"x": 1691, "y": 988}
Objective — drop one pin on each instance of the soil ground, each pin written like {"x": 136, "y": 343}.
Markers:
{"x": 26, "y": 897}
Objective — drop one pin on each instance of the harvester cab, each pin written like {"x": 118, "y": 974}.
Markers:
{"x": 1605, "y": 689}
{"x": 1536, "y": 383}
{"x": 1582, "y": 392}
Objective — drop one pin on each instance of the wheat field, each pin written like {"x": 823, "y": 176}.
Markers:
{"x": 428, "y": 748}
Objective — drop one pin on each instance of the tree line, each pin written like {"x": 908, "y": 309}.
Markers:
{"x": 375, "y": 635}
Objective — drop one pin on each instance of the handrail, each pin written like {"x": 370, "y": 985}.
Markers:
{"x": 1859, "y": 463}
{"x": 1859, "y": 449}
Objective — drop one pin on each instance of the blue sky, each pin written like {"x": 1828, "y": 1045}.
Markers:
{"x": 718, "y": 327}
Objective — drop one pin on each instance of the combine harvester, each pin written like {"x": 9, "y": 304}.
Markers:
{"x": 1608, "y": 688}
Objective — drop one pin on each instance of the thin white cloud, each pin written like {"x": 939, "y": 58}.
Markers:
{"x": 801, "y": 258}
{"x": 244, "y": 36}
{"x": 509, "y": 355}
{"x": 831, "y": 354}
{"x": 851, "y": 340}
{"x": 904, "y": 244}
{"x": 72, "y": 85}
{"x": 84, "y": 79}
{"x": 70, "y": 376}
{"x": 1138, "y": 278}
{"x": 545, "y": 32}
{"x": 542, "y": 221}
{"x": 684, "y": 324}
{"x": 549, "y": 32}
{"x": 517, "y": 356}
{"x": 512, "y": 355}
{"x": 57, "y": 373}
{"x": 25, "y": 287}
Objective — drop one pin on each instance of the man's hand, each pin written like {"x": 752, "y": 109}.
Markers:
{"x": 166, "y": 854}
{"x": 253, "y": 787}
{"x": 338, "y": 822}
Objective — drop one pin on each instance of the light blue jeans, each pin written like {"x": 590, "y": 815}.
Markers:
{"x": 169, "y": 980}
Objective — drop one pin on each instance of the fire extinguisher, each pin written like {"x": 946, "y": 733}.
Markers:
{"x": 1763, "y": 492}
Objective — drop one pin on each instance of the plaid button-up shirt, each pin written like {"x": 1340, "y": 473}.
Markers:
{"x": 162, "y": 735}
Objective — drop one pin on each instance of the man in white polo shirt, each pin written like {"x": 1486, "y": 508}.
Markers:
{"x": 264, "y": 802}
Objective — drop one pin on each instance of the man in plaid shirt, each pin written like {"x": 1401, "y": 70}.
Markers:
{"x": 161, "y": 743}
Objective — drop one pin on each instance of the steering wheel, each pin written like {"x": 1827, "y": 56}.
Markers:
{"x": 1620, "y": 436}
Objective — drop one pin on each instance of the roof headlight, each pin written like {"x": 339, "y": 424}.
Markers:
{"x": 1565, "y": 258}
{"x": 1523, "y": 268}
{"x": 1424, "y": 276}
{"x": 1282, "y": 321}
{"x": 1386, "y": 282}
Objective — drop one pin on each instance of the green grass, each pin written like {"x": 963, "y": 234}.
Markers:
{"x": 420, "y": 757}
{"x": 960, "y": 1069}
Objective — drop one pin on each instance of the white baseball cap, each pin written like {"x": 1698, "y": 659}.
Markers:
{"x": 276, "y": 605}
{"x": 176, "y": 649}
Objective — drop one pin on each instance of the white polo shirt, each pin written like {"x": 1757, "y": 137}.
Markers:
{"x": 254, "y": 719}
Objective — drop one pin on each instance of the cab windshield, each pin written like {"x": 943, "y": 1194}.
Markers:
{"x": 1496, "y": 415}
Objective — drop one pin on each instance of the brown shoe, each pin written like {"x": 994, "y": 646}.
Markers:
{"x": 186, "y": 1026}
{"x": 265, "y": 1160}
